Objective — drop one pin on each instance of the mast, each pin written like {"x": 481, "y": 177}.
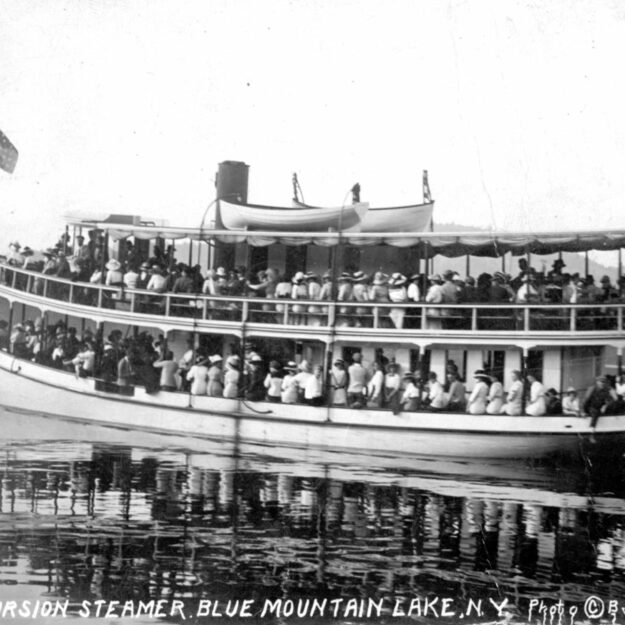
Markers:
{"x": 297, "y": 189}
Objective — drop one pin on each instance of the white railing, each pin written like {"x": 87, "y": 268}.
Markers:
{"x": 414, "y": 316}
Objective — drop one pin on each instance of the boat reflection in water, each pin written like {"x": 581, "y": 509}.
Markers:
{"x": 125, "y": 517}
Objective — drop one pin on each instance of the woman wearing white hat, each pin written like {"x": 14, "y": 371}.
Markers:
{"x": 231, "y": 377}
{"x": 198, "y": 376}
{"x": 338, "y": 383}
{"x": 299, "y": 291}
{"x": 346, "y": 286}
{"x": 273, "y": 382}
{"x": 360, "y": 293}
{"x": 289, "y": 384}
{"x": 434, "y": 296}
{"x": 495, "y": 395}
{"x": 114, "y": 275}
{"x": 313, "y": 284}
{"x": 397, "y": 293}
{"x": 215, "y": 387}
{"x": 536, "y": 406}
{"x": 477, "y": 400}
{"x": 570, "y": 403}
{"x": 512, "y": 406}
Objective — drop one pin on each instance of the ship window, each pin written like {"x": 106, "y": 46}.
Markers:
{"x": 295, "y": 259}
{"x": 535, "y": 363}
{"x": 348, "y": 352}
{"x": 459, "y": 357}
{"x": 494, "y": 362}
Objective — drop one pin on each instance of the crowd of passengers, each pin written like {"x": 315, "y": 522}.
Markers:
{"x": 161, "y": 273}
{"x": 128, "y": 361}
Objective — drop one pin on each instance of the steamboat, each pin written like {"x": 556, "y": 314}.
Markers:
{"x": 566, "y": 344}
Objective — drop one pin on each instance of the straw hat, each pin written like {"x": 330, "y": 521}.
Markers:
{"x": 397, "y": 279}
{"x": 233, "y": 361}
{"x": 221, "y": 272}
{"x": 298, "y": 277}
{"x": 480, "y": 374}
{"x": 435, "y": 278}
{"x": 113, "y": 265}
{"x": 379, "y": 278}
{"x": 345, "y": 277}
{"x": 255, "y": 358}
{"x": 215, "y": 359}
{"x": 290, "y": 366}
{"x": 359, "y": 276}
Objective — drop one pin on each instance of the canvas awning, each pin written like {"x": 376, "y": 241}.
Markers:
{"x": 451, "y": 244}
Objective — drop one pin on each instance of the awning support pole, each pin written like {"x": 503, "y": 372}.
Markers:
{"x": 523, "y": 377}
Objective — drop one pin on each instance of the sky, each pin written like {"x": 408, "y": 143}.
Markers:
{"x": 516, "y": 109}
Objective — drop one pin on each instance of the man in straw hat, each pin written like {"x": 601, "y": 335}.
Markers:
{"x": 599, "y": 400}
{"x": 570, "y": 403}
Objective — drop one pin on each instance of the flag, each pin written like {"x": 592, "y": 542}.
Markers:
{"x": 8, "y": 154}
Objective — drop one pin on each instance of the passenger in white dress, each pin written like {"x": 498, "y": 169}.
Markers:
{"x": 232, "y": 377}
{"x": 198, "y": 376}
{"x": 397, "y": 293}
{"x": 289, "y": 384}
{"x": 375, "y": 386}
{"x": 477, "y": 400}
{"x": 512, "y": 406}
{"x": 338, "y": 383}
{"x": 437, "y": 397}
{"x": 495, "y": 395}
{"x": 536, "y": 405}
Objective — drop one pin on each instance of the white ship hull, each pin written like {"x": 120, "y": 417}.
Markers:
{"x": 38, "y": 389}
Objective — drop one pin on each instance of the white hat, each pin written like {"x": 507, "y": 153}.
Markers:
{"x": 397, "y": 279}
{"x": 113, "y": 265}
{"x": 216, "y": 358}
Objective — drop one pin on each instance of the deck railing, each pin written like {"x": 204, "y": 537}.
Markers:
{"x": 474, "y": 317}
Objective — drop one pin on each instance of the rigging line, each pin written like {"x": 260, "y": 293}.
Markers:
{"x": 334, "y": 292}
{"x": 198, "y": 300}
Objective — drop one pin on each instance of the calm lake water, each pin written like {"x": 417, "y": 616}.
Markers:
{"x": 90, "y": 513}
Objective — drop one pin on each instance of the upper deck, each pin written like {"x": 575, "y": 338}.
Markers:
{"x": 425, "y": 324}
